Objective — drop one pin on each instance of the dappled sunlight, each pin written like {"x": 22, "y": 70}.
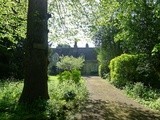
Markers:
{"x": 106, "y": 102}
{"x": 105, "y": 110}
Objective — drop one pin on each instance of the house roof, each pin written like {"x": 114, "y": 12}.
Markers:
{"x": 88, "y": 53}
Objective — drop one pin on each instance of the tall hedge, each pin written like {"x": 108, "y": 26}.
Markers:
{"x": 123, "y": 69}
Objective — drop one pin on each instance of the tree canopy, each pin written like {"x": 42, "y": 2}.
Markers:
{"x": 71, "y": 19}
{"x": 13, "y": 15}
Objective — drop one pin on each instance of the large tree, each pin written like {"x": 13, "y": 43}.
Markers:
{"x": 36, "y": 53}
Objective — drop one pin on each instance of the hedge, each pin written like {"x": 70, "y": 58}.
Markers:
{"x": 123, "y": 69}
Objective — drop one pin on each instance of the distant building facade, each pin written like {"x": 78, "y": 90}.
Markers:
{"x": 90, "y": 55}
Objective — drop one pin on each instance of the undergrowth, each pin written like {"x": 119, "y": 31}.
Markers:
{"x": 66, "y": 98}
{"x": 146, "y": 95}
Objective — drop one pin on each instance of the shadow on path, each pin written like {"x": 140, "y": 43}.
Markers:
{"x": 105, "y": 110}
{"x": 109, "y": 103}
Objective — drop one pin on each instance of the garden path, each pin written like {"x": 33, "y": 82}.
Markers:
{"x": 109, "y": 103}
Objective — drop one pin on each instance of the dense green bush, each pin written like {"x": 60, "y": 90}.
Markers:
{"x": 64, "y": 76}
{"x": 74, "y": 75}
{"x": 133, "y": 68}
{"x": 123, "y": 69}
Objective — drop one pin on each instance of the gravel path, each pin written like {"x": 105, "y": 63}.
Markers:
{"x": 100, "y": 89}
{"x": 109, "y": 103}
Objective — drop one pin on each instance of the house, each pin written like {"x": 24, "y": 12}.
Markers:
{"x": 90, "y": 55}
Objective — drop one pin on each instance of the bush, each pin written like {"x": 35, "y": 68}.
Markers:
{"x": 146, "y": 72}
{"x": 74, "y": 75}
{"x": 139, "y": 89}
{"x": 123, "y": 69}
{"x": 69, "y": 95}
{"x": 70, "y": 63}
{"x": 145, "y": 95}
{"x": 66, "y": 75}
{"x": 65, "y": 100}
{"x": 133, "y": 68}
{"x": 103, "y": 70}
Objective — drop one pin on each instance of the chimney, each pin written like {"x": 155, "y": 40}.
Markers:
{"x": 75, "y": 44}
{"x": 87, "y": 46}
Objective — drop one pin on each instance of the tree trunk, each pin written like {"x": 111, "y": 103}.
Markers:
{"x": 36, "y": 53}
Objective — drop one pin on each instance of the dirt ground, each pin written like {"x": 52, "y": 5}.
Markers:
{"x": 109, "y": 103}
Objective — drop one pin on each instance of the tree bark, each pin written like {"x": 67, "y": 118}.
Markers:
{"x": 36, "y": 53}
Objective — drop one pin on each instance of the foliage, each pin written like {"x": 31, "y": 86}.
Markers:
{"x": 66, "y": 75}
{"x": 146, "y": 72}
{"x": 133, "y": 68}
{"x": 13, "y": 20}
{"x": 156, "y": 49}
{"x": 137, "y": 23}
{"x": 69, "y": 95}
{"x": 145, "y": 95}
{"x": 138, "y": 89}
{"x": 155, "y": 59}
{"x": 17, "y": 61}
{"x": 12, "y": 31}
{"x": 123, "y": 69}
{"x": 101, "y": 57}
{"x": 71, "y": 19}
{"x": 74, "y": 75}
{"x": 103, "y": 70}
{"x": 9, "y": 95}
{"x": 65, "y": 99}
{"x": 108, "y": 48}
{"x": 63, "y": 46}
{"x": 137, "y": 26}
{"x": 70, "y": 63}
{"x": 53, "y": 59}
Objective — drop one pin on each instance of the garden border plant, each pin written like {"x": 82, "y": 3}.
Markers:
{"x": 65, "y": 99}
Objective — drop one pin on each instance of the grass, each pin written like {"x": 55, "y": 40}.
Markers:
{"x": 145, "y": 95}
{"x": 65, "y": 99}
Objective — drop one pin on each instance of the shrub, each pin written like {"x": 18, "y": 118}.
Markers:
{"x": 103, "y": 70}
{"x": 66, "y": 75}
{"x": 146, "y": 71}
{"x": 139, "y": 89}
{"x": 133, "y": 68}
{"x": 69, "y": 95}
{"x": 123, "y": 69}
{"x": 74, "y": 75}
{"x": 143, "y": 94}
{"x": 65, "y": 100}
{"x": 70, "y": 63}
